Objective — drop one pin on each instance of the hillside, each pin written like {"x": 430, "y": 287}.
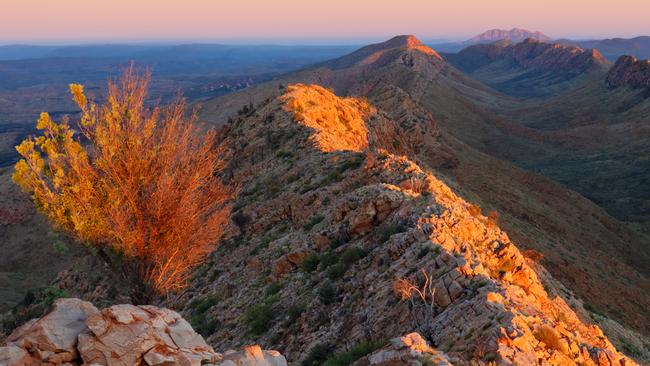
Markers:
{"x": 334, "y": 208}
{"x": 528, "y": 69}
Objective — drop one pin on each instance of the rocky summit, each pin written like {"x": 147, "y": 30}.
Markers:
{"x": 630, "y": 72}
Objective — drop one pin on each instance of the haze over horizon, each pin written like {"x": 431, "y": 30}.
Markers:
{"x": 315, "y": 22}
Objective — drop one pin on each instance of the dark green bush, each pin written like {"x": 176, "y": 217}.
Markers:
{"x": 273, "y": 288}
{"x": 327, "y": 292}
{"x": 391, "y": 230}
{"x": 317, "y": 355}
{"x": 200, "y": 318}
{"x": 351, "y": 255}
{"x": 310, "y": 263}
{"x": 358, "y": 350}
{"x": 51, "y": 293}
{"x": 295, "y": 311}
{"x": 259, "y": 318}
{"x": 314, "y": 221}
{"x": 337, "y": 271}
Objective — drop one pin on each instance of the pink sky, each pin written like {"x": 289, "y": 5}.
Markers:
{"x": 310, "y": 21}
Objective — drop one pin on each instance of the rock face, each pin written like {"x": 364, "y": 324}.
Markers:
{"x": 410, "y": 349}
{"x": 630, "y": 72}
{"x": 75, "y": 332}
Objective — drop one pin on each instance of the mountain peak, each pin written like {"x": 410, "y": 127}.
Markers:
{"x": 387, "y": 51}
{"x": 514, "y": 35}
{"x": 631, "y": 72}
{"x": 409, "y": 42}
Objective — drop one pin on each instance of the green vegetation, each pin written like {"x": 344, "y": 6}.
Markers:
{"x": 295, "y": 311}
{"x": 358, "y": 350}
{"x": 313, "y": 222}
{"x": 327, "y": 292}
{"x": 259, "y": 318}
{"x": 317, "y": 355}
{"x": 351, "y": 255}
{"x": 273, "y": 289}
{"x": 391, "y": 230}
{"x": 51, "y": 293}
{"x": 200, "y": 318}
{"x": 310, "y": 263}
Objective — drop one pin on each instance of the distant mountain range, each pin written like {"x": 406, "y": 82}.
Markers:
{"x": 611, "y": 48}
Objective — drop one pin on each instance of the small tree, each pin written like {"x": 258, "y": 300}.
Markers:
{"x": 421, "y": 301}
{"x": 144, "y": 183}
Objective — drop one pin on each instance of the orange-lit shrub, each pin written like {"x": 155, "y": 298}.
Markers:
{"x": 144, "y": 184}
{"x": 421, "y": 300}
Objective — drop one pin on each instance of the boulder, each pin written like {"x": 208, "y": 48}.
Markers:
{"x": 53, "y": 338}
{"x": 13, "y": 355}
{"x": 125, "y": 334}
{"x": 410, "y": 349}
{"x": 75, "y": 332}
{"x": 252, "y": 356}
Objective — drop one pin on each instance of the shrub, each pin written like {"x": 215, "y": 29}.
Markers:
{"x": 310, "y": 263}
{"x": 199, "y": 317}
{"x": 295, "y": 311}
{"x": 317, "y": 355}
{"x": 273, "y": 289}
{"x": 313, "y": 222}
{"x": 358, "y": 350}
{"x": 391, "y": 230}
{"x": 351, "y": 255}
{"x": 337, "y": 271}
{"x": 421, "y": 300}
{"x": 51, "y": 293}
{"x": 259, "y": 318}
{"x": 327, "y": 292}
{"x": 241, "y": 219}
{"x": 144, "y": 183}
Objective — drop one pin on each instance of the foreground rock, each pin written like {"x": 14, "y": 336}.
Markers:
{"x": 75, "y": 332}
{"x": 410, "y": 349}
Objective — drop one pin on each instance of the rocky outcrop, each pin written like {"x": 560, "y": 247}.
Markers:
{"x": 75, "y": 332}
{"x": 630, "y": 72}
{"x": 252, "y": 356}
{"x": 410, "y": 349}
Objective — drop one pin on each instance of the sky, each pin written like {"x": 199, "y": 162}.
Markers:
{"x": 309, "y": 21}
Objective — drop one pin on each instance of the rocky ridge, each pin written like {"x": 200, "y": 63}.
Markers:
{"x": 630, "y": 72}
{"x": 531, "y": 54}
{"x": 327, "y": 225}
